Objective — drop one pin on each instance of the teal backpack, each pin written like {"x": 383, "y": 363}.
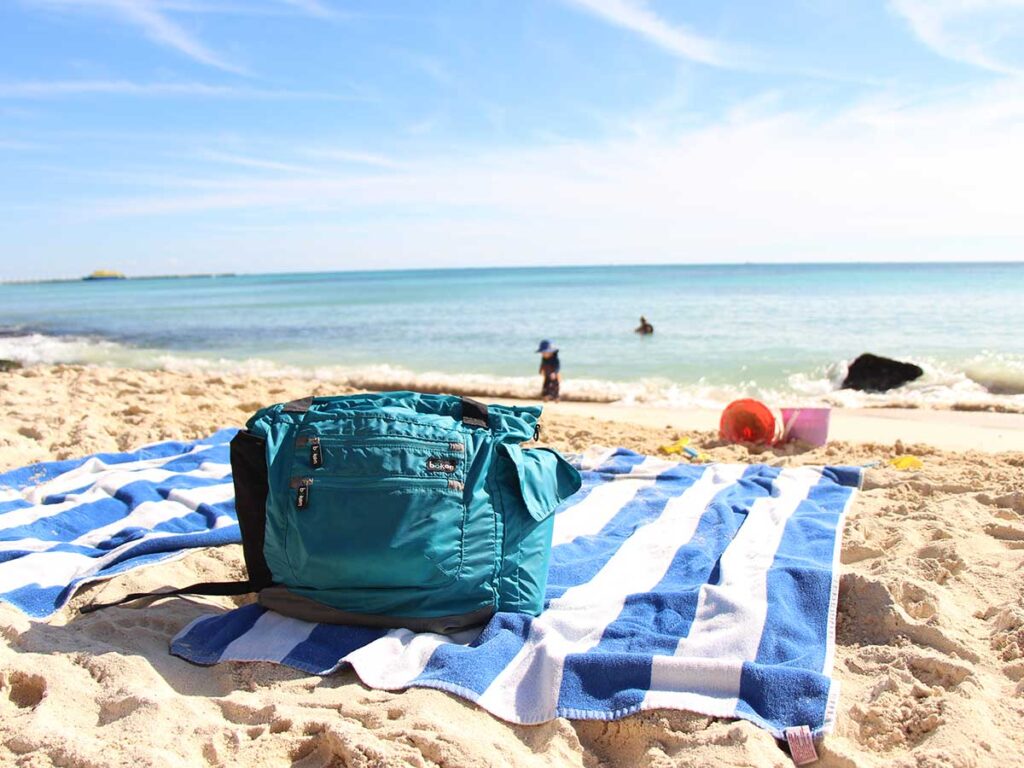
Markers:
{"x": 395, "y": 509}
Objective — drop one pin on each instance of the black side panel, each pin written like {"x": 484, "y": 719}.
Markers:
{"x": 249, "y": 472}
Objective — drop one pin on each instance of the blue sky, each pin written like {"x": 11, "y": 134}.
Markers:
{"x": 173, "y": 136}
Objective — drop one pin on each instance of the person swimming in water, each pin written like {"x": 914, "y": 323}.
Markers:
{"x": 645, "y": 328}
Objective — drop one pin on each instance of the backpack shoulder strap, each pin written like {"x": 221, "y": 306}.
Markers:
{"x": 218, "y": 588}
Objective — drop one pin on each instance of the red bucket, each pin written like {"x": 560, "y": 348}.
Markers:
{"x": 748, "y": 421}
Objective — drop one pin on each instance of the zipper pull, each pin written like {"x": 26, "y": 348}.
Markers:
{"x": 301, "y": 486}
{"x": 316, "y": 456}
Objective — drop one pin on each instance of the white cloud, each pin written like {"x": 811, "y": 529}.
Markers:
{"x": 36, "y": 89}
{"x": 636, "y": 16}
{"x": 311, "y": 7}
{"x": 968, "y": 31}
{"x": 258, "y": 163}
{"x": 20, "y": 146}
{"x": 314, "y": 8}
{"x": 240, "y": 7}
{"x": 355, "y": 157}
{"x": 148, "y": 17}
{"x": 48, "y": 89}
{"x": 882, "y": 180}
{"x": 432, "y": 67}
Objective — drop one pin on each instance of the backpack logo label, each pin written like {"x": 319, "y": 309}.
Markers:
{"x": 438, "y": 464}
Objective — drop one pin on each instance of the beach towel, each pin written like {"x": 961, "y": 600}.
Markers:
{"x": 706, "y": 588}
{"x": 67, "y": 523}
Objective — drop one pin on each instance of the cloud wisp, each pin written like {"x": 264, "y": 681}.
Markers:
{"x": 257, "y": 163}
{"x": 12, "y": 145}
{"x": 881, "y": 180}
{"x": 51, "y": 89}
{"x": 637, "y": 17}
{"x": 966, "y": 30}
{"x": 356, "y": 157}
{"x": 236, "y": 7}
{"x": 312, "y": 8}
{"x": 148, "y": 17}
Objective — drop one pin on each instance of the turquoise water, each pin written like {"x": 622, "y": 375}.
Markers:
{"x": 720, "y": 330}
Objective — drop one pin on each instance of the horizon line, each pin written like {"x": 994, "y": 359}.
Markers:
{"x": 506, "y": 268}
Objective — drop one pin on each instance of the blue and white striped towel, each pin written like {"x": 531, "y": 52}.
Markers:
{"x": 706, "y": 588}
{"x": 66, "y": 523}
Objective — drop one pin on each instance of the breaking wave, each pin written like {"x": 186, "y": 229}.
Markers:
{"x": 985, "y": 382}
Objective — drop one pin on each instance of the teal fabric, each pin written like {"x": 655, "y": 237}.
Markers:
{"x": 388, "y": 504}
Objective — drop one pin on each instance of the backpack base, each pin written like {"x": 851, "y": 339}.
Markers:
{"x": 282, "y": 600}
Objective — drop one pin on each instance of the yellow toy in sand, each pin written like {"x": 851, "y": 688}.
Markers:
{"x": 906, "y": 463}
{"x": 682, "y": 447}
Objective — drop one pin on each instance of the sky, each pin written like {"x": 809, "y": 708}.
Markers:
{"x": 195, "y": 136}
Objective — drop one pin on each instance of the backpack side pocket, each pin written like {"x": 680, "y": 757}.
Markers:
{"x": 249, "y": 473}
{"x": 531, "y": 483}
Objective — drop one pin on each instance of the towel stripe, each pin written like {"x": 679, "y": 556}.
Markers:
{"x": 731, "y": 612}
{"x": 63, "y": 524}
{"x": 15, "y": 480}
{"x": 286, "y": 631}
{"x": 706, "y": 588}
{"x": 569, "y": 621}
{"x": 665, "y": 611}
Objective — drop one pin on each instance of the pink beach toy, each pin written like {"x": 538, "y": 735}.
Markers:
{"x": 809, "y": 425}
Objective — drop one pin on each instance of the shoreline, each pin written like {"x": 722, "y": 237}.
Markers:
{"x": 120, "y": 408}
{"x": 63, "y": 411}
{"x": 985, "y": 382}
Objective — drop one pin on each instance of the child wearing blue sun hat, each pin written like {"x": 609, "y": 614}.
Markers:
{"x": 550, "y": 371}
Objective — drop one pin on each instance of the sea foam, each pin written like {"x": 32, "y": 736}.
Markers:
{"x": 987, "y": 381}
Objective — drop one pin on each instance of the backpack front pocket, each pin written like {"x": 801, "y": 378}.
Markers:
{"x": 395, "y": 531}
{"x": 379, "y": 456}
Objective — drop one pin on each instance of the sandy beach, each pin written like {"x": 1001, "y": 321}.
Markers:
{"x": 930, "y": 630}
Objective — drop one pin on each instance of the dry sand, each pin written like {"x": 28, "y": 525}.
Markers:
{"x": 930, "y": 631}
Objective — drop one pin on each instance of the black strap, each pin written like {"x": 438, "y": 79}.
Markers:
{"x": 474, "y": 414}
{"x": 219, "y": 588}
{"x": 298, "y": 406}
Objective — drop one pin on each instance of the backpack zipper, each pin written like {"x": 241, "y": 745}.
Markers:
{"x": 316, "y": 453}
{"x": 303, "y": 485}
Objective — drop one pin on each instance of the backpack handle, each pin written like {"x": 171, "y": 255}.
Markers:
{"x": 474, "y": 413}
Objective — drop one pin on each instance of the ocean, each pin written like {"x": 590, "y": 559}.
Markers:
{"x": 784, "y": 333}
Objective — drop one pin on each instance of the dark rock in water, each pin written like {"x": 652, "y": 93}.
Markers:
{"x": 9, "y": 365}
{"x": 871, "y": 373}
